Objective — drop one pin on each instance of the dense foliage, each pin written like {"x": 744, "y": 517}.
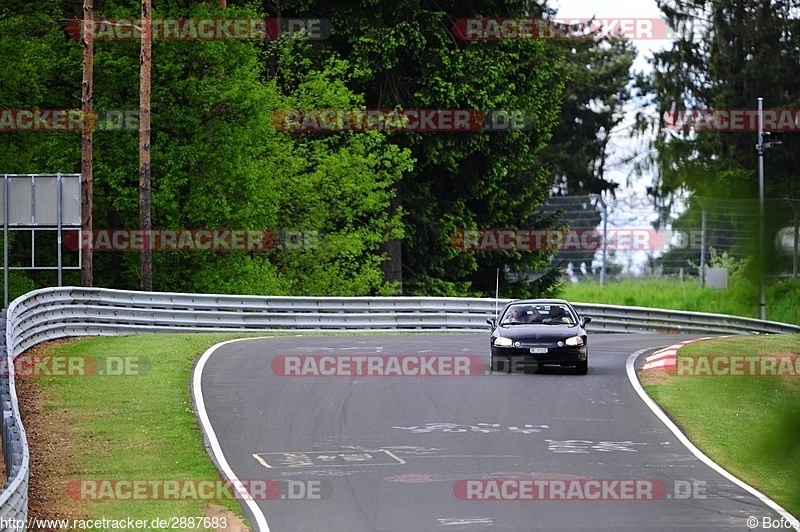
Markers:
{"x": 726, "y": 54}
{"x": 219, "y": 162}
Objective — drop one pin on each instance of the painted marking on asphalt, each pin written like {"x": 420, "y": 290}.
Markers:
{"x": 417, "y": 478}
{"x": 323, "y": 473}
{"x": 263, "y": 462}
{"x": 397, "y": 449}
{"x": 327, "y": 459}
{"x": 426, "y": 452}
{"x": 586, "y": 446}
{"x": 484, "y": 428}
{"x": 466, "y": 521}
{"x": 528, "y": 429}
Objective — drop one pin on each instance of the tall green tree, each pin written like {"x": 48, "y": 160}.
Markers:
{"x": 35, "y": 54}
{"x": 597, "y": 69}
{"x": 404, "y": 54}
{"x": 598, "y": 76}
{"x": 218, "y": 161}
{"x": 726, "y": 54}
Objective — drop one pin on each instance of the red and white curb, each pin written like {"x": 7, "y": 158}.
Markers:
{"x": 667, "y": 358}
{"x": 634, "y": 380}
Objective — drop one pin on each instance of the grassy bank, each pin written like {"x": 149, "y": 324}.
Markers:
{"x": 750, "y": 425}
{"x": 740, "y": 299}
{"x": 135, "y": 426}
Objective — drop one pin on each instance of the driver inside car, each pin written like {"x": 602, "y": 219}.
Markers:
{"x": 517, "y": 316}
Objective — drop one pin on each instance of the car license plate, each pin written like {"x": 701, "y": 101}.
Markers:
{"x": 538, "y": 350}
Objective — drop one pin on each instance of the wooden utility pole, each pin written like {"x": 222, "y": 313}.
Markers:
{"x": 145, "y": 222}
{"x": 87, "y": 106}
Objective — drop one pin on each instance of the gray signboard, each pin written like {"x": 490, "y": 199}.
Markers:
{"x": 38, "y": 202}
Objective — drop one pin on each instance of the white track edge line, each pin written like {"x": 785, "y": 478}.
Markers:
{"x": 261, "y": 521}
{"x": 634, "y": 380}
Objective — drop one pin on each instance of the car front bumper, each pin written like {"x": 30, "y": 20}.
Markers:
{"x": 555, "y": 355}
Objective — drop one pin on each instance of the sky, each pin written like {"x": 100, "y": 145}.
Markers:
{"x": 627, "y": 9}
{"x": 585, "y": 9}
{"x": 631, "y": 208}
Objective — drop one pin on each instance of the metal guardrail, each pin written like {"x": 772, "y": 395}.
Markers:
{"x": 613, "y": 318}
{"x": 53, "y": 313}
{"x": 16, "y": 455}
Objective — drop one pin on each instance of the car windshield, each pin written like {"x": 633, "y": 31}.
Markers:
{"x": 546, "y": 314}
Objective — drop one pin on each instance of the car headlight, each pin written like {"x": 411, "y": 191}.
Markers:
{"x": 574, "y": 341}
{"x": 502, "y": 341}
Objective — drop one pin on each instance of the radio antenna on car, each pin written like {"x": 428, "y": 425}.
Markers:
{"x": 496, "y": 294}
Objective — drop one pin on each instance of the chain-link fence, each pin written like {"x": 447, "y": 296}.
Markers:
{"x": 610, "y": 238}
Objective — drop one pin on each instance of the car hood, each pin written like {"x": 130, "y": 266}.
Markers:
{"x": 539, "y": 331}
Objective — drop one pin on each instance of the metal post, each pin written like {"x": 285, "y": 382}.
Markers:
{"x": 605, "y": 245}
{"x": 703, "y": 247}
{"x": 5, "y": 241}
{"x": 605, "y": 232}
{"x": 33, "y": 221}
{"x": 762, "y": 300}
{"x": 60, "y": 214}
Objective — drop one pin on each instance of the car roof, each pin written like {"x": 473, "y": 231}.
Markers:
{"x": 537, "y": 301}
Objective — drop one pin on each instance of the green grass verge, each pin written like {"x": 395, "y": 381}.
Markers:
{"x": 137, "y": 427}
{"x": 740, "y": 299}
{"x": 750, "y": 425}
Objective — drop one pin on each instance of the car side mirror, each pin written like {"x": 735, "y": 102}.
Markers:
{"x": 586, "y": 320}
{"x": 492, "y": 322}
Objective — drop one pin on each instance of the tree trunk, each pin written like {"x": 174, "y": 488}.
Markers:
{"x": 87, "y": 106}
{"x": 393, "y": 267}
{"x": 145, "y": 223}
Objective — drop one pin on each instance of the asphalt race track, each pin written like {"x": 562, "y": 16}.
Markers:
{"x": 479, "y": 452}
